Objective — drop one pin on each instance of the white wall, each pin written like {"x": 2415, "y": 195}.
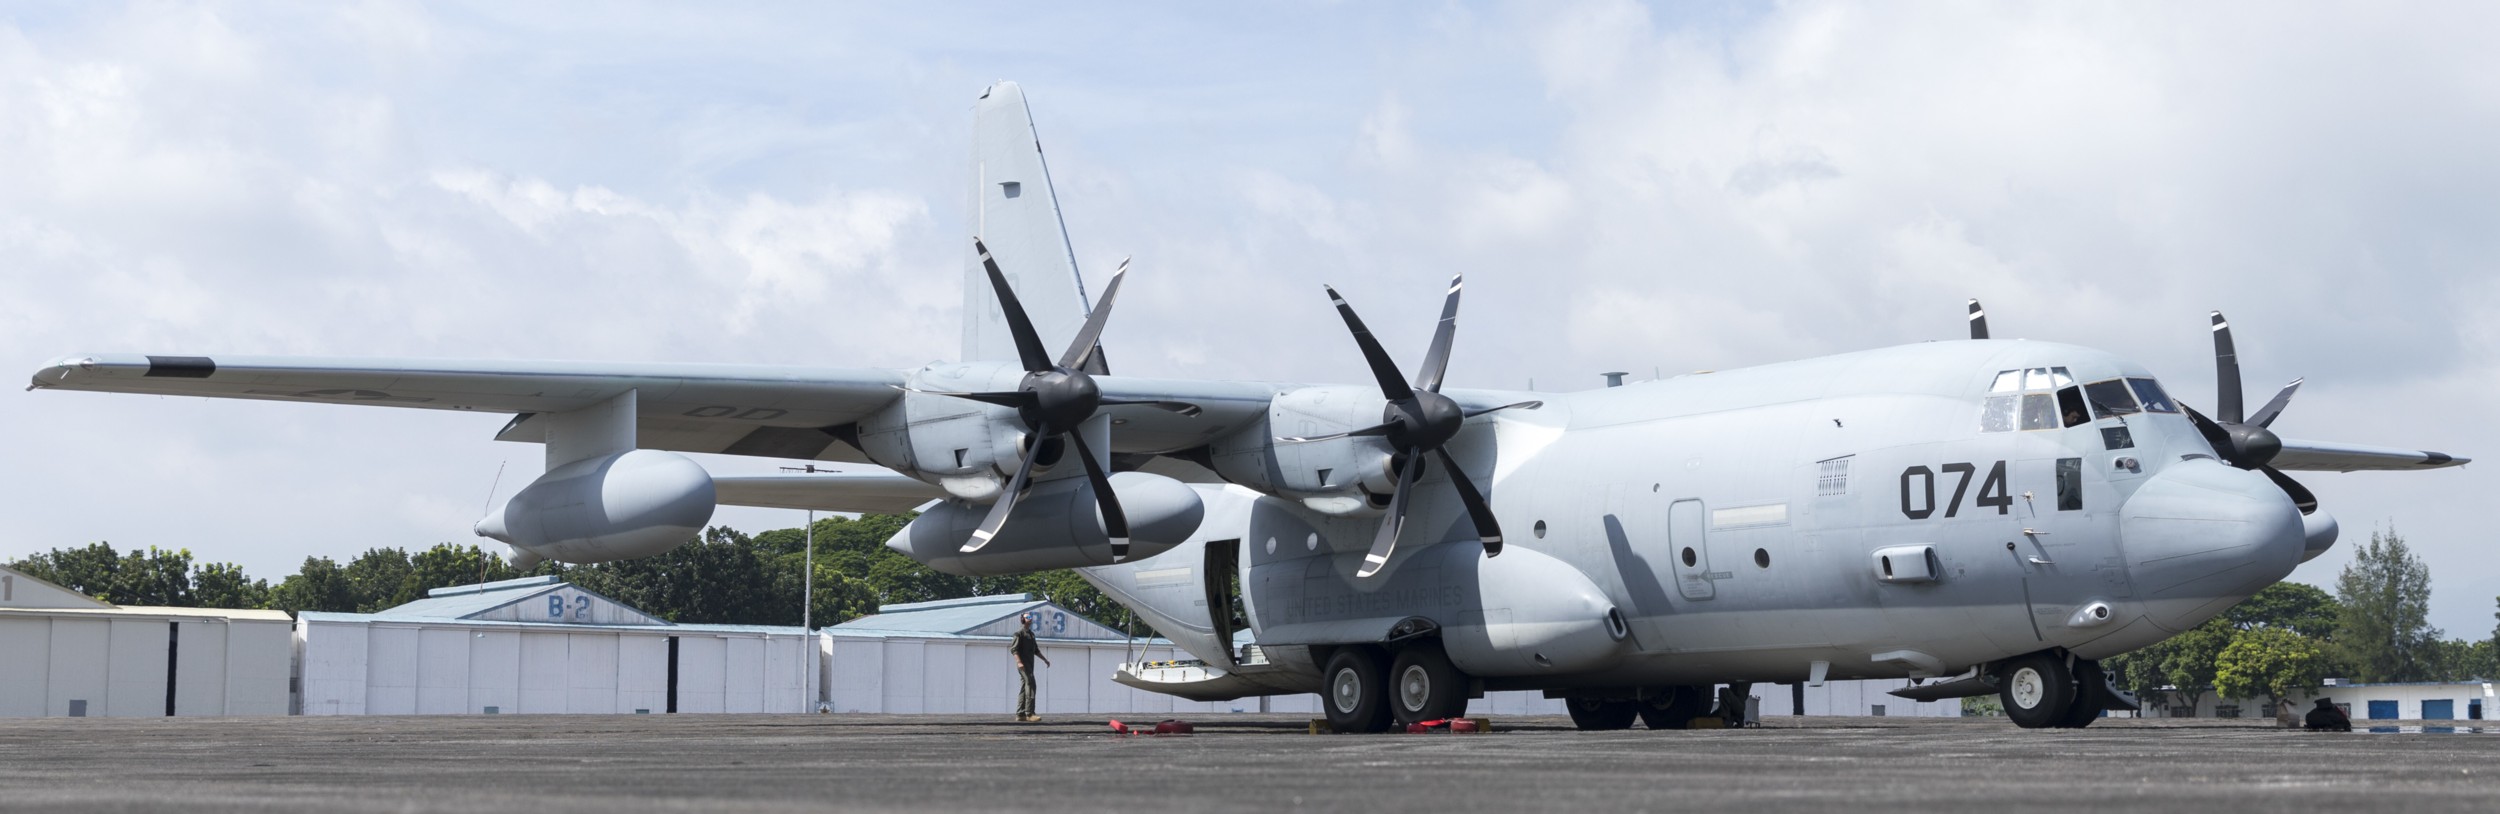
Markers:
{"x": 116, "y": 662}
{"x": 360, "y": 667}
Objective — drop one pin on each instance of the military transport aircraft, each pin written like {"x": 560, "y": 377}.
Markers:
{"x": 1985, "y": 516}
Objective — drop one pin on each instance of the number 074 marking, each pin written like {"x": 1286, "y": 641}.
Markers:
{"x": 1918, "y": 490}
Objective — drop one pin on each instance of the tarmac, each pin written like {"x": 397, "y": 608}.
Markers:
{"x": 1251, "y": 763}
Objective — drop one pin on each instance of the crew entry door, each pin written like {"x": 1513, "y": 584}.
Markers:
{"x": 1689, "y": 549}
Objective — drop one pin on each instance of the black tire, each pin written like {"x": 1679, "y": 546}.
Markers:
{"x": 1591, "y": 713}
{"x": 2037, "y": 690}
{"x": 1670, "y": 707}
{"x": 2087, "y": 705}
{"x": 1423, "y": 686}
{"x": 1351, "y": 691}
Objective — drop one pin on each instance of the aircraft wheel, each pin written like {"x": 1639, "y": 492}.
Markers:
{"x": 1351, "y": 693}
{"x": 1423, "y": 686}
{"x": 1670, "y": 707}
{"x": 2037, "y": 690}
{"x": 2087, "y": 705}
{"x": 1594, "y": 713}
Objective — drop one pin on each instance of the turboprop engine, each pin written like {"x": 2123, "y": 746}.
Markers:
{"x": 1350, "y": 475}
{"x": 956, "y": 444}
{"x": 1056, "y": 525}
{"x": 601, "y": 498}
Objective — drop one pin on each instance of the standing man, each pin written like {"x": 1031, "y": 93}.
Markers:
{"x": 1026, "y": 650}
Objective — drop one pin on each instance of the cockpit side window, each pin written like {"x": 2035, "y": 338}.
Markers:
{"x": 2070, "y": 405}
{"x": 2109, "y": 398}
{"x": 2152, "y": 396}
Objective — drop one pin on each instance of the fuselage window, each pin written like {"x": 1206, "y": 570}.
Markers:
{"x": 2109, "y": 398}
{"x": 2151, "y": 395}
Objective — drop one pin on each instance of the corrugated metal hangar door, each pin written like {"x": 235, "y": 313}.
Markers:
{"x": 64, "y": 654}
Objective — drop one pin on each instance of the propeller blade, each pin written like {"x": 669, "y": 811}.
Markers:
{"x": 1387, "y": 540}
{"x": 2274, "y": 407}
{"x": 1488, "y": 529}
{"x": 1978, "y": 321}
{"x": 1114, "y": 520}
{"x": 2300, "y": 495}
{"x": 1083, "y": 347}
{"x": 1028, "y": 344}
{"x": 1523, "y": 405}
{"x": 1007, "y": 499}
{"x": 1375, "y": 429}
{"x": 1181, "y": 407}
{"x": 1008, "y": 398}
{"x": 2215, "y": 435}
{"x": 1392, "y": 383}
{"x": 1437, "y": 358}
{"x": 2226, "y": 374}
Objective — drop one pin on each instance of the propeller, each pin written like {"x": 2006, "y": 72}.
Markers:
{"x": 2244, "y": 440}
{"x": 1417, "y": 421}
{"x": 1055, "y": 398}
{"x": 1978, "y": 321}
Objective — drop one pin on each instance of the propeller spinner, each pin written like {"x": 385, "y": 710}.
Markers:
{"x": 2245, "y": 441}
{"x": 1418, "y": 420}
{"x": 1055, "y": 398}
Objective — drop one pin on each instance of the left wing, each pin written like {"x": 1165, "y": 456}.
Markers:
{"x": 756, "y": 410}
{"x": 2322, "y": 456}
{"x": 760, "y": 410}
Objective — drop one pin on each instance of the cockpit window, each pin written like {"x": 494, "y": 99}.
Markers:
{"x": 2151, "y": 395}
{"x": 2039, "y": 398}
{"x": 2039, "y": 411}
{"x": 2109, "y": 398}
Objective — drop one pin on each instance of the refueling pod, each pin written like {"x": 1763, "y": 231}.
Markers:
{"x": 616, "y": 507}
{"x": 601, "y": 498}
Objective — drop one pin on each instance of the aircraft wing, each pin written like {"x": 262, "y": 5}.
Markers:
{"x": 733, "y": 409}
{"x": 882, "y": 492}
{"x": 2321, "y": 456}
{"x": 756, "y": 410}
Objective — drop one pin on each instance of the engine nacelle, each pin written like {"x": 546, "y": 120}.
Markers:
{"x": 614, "y": 507}
{"x": 1055, "y": 526}
{"x": 1341, "y": 476}
{"x": 965, "y": 447}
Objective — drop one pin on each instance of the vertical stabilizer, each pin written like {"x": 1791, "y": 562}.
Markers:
{"x": 1015, "y": 211}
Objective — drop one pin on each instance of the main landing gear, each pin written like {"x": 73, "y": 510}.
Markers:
{"x": 2041, "y": 690}
{"x": 1366, "y": 690}
{"x": 1671, "y": 707}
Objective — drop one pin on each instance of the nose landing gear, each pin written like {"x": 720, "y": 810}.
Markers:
{"x": 2041, "y": 691}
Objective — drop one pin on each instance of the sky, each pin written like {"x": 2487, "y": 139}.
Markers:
{"x": 1627, "y": 187}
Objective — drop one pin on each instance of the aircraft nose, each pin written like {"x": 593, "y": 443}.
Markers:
{"x": 2200, "y": 536}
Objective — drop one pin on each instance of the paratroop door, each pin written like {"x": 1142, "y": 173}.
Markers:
{"x": 1686, "y": 527}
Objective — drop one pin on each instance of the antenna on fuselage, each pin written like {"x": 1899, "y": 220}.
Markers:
{"x": 1978, "y": 321}
{"x": 1615, "y": 378}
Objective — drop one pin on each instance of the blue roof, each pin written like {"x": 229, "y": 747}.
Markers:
{"x": 975, "y": 617}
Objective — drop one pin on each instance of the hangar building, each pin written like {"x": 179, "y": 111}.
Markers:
{"x": 66, "y": 654}
{"x": 535, "y": 645}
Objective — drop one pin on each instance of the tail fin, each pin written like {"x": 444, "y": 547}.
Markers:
{"x": 1015, "y": 212}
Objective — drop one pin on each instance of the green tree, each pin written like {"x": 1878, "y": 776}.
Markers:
{"x": 320, "y": 586}
{"x": 2188, "y": 662}
{"x": 93, "y": 569}
{"x": 2269, "y": 661}
{"x": 2383, "y": 628}
{"x": 2299, "y": 607}
{"x": 223, "y": 585}
{"x": 446, "y": 565}
{"x": 155, "y": 578}
{"x": 381, "y": 579}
